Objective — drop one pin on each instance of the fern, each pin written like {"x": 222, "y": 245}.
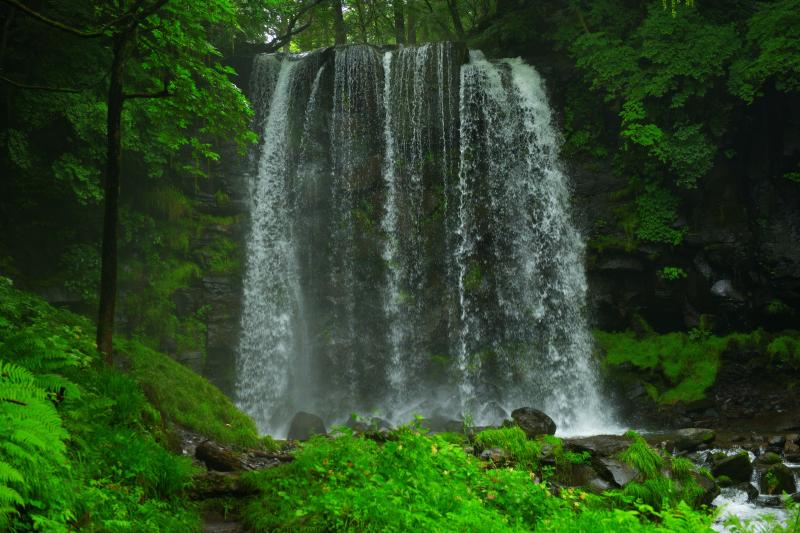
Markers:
{"x": 642, "y": 457}
{"x": 32, "y": 445}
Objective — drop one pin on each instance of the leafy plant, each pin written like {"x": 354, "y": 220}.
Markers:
{"x": 672, "y": 273}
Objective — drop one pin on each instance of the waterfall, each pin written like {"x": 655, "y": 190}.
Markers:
{"x": 419, "y": 126}
{"x": 520, "y": 256}
{"x": 270, "y": 285}
{"x": 411, "y": 246}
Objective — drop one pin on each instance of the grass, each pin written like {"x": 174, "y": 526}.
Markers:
{"x": 513, "y": 440}
{"x": 187, "y": 398}
{"x": 104, "y": 463}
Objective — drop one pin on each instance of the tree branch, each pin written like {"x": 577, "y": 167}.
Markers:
{"x": 54, "y": 23}
{"x": 291, "y": 31}
{"x": 39, "y": 87}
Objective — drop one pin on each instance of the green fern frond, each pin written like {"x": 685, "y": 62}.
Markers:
{"x": 9, "y": 474}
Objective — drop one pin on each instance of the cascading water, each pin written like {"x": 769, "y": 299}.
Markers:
{"x": 521, "y": 281}
{"x": 411, "y": 248}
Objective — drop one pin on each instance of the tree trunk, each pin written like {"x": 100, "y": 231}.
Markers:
{"x": 451, "y": 4}
{"x": 411, "y": 16}
{"x": 338, "y": 22}
{"x": 108, "y": 275}
{"x": 362, "y": 21}
{"x": 399, "y": 25}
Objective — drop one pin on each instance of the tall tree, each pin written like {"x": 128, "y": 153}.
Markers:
{"x": 338, "y": 22}
{"x": 411, "y": 10}
{"x": 452, "y": 5}
{"x": 399, "y": 22}
{"x": 163, "y": 49}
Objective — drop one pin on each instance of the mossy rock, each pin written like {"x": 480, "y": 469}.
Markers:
{"x": 778, "y": 479}
{"x": 736, "y": 467}
{"x": 769, "y": 458}
{"x": 725, "y": 481}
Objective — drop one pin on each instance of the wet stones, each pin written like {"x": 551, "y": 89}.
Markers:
{"x": 533, "y": 422}
{"x": 682, "y": 440}
{"x": 306, "y": 425}
{"x": 777, "y": 479}
{"x": 599, "y": 445}
{"x": 735, "y": 467}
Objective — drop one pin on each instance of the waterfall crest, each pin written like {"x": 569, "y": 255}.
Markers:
{"x": 411, "y": 246}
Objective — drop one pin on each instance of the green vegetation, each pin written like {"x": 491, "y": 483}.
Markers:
{"x": 680, "y": 367}
{"x": 84, "y": 445}
{"x": 672, "y": 273}
{"x": 674, "y": 366}
{"x": 664, "y": 480}
{"x": 513, "y": 440}
{"x": 423, "y": 482}
{"x": 785, "y": 350}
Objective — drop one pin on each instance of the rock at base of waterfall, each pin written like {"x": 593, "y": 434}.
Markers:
{"x": 305, "y": 425}
{"x": 709, "y": 487}
{"x": 533, "y": 422}
{"x": 496, "y": 456}
{"x": 682, "y": 440}
{"x": 778, "y": 479}
{"x": 736, "y": 467}
{"x": 598, "y": 445}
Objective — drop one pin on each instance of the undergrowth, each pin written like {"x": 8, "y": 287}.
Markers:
{"x": 82, "y": 447}
{"x": 420, "y": 482}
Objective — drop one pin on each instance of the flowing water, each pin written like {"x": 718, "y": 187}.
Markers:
{"x": 411, "y": 246}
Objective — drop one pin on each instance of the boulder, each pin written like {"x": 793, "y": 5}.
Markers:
{"x": 533, "y": 422}
{"x": 767, "y": 459}
{"x": 736, "y": 467}
{"x": 598, "y": 445}
{"x": 305, "y": 425}
{"x": 710, "y": 489}
{"x": 795, "y": 497}
{"x": 583, "y": 475}
{"x": 791, "y": 449}
{"x": 691, "y": 438}
{"x": 777, "y": 479}
{"x": 218, "y": 457}
{"x": 498, "y": 456}
{"x": 682, "y": 440}
{"x": 776, "y": 442}
{"x": 615, "y": 471}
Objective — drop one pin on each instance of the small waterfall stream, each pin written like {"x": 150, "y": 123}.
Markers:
{"x": 411, "y": 246}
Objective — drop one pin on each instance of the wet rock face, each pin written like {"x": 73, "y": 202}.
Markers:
{"x": 306, "y": 425}
{"x": 533, "y": 422}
